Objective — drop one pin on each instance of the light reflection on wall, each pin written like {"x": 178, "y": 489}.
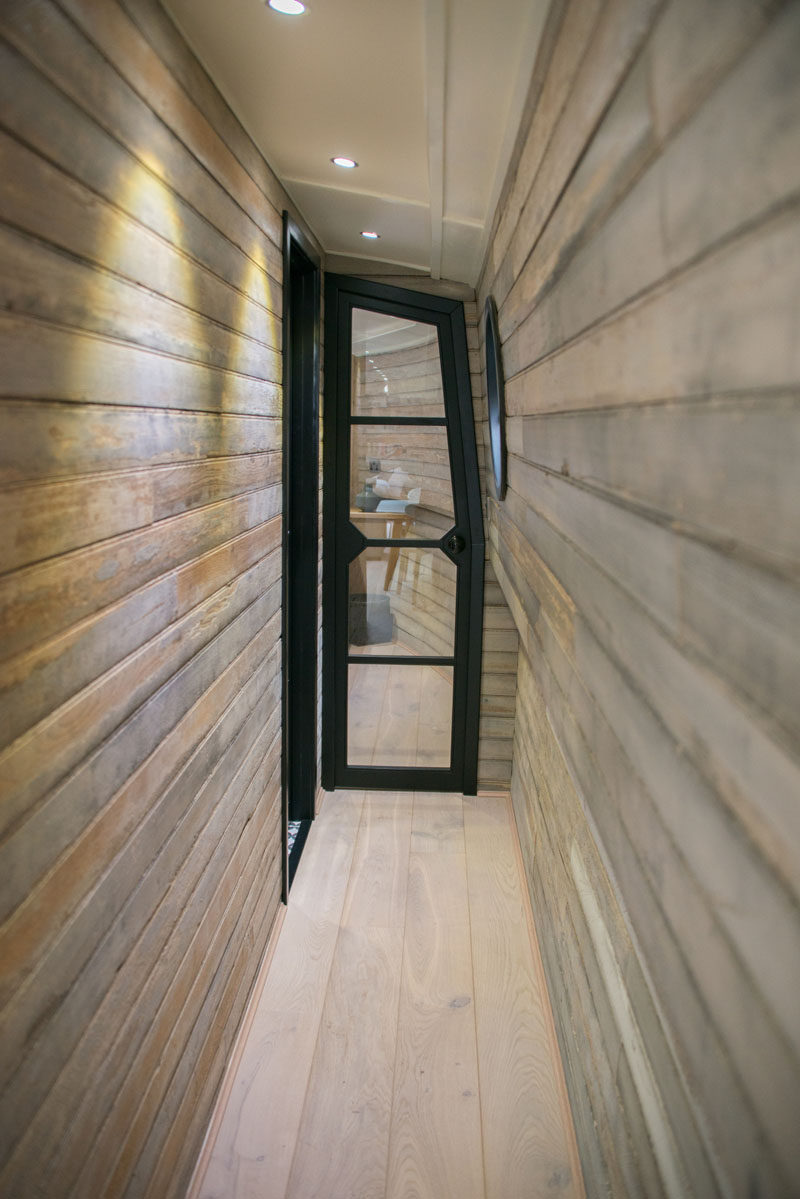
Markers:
{"x": 111, "y": 372}
{"x": 168, "y": 338}
{"x": 257, "y": 286}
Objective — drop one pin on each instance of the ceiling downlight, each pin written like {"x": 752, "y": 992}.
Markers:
{"x": 366, "y": 86}
{"x": 370, "y": 234}
{"x": 290, "y": 8}
{"x": 341, "y": 161}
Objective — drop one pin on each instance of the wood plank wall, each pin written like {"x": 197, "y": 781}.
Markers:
{"x": 500, "y": 637}
{"x": 646, "y": 269}
{"x": 140, "y": 549}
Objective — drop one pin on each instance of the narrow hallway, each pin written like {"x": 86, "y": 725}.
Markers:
{"x": 606, "y": 195}
{"x": 399, "y": 1041}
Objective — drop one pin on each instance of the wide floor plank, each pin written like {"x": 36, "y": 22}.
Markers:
{"x": 402, "y": 1044}
{"x": 343, "y": 1139}
{"x": 522, "y": 1095}
{"x": 436, "y": 1121}
{"x": 256, "y": 1134}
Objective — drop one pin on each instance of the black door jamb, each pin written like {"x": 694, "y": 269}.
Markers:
{"x": 301, "y": 368}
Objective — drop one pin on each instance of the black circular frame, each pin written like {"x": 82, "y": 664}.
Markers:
{"x": 495, "y": 394}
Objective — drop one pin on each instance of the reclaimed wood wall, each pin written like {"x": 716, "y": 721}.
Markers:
{"x": 645, "y": 265}
{"x": 140, "y": 550}
{"x": 500, "y": 657}
{"x": 498, "y": 687}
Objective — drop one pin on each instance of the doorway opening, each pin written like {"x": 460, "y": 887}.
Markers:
{"x": 301, "y": 340}
{"x": 403, "y": 543}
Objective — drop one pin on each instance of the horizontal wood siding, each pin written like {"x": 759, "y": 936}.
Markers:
{"x": 500, "y": 638}
{"x": 498, "y": 687}
{"x": 140, "y": 583}
{"x": 645, "y": 266}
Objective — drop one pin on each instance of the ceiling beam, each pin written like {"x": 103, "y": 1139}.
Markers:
{"x": 435, "y": 91}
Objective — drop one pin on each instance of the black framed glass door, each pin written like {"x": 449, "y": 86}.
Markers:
{"x": 403, "y": 543}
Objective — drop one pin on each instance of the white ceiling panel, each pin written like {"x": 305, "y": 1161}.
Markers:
{"x": 339, "y": 217}
{"x": 426, "y": 95}
{"x": 463, "y": 246}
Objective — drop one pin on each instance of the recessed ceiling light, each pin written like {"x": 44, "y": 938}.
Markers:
{"x": 292, "y": 8}
{"x": 349, "y": 163}
{"x": 368, "y": 233}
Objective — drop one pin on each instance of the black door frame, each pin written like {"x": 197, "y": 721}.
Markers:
{"x": 301, "y": 371}
{"x": 342, "y": 294}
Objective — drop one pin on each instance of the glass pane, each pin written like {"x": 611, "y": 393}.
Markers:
{"x": 395, "y": 368}
{"x": 399, "y": 715}
{"x": 402, "y": 601}
{"x": 401, "y": 474}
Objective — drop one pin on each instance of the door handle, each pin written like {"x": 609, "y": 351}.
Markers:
{"x": 455, "y": 544}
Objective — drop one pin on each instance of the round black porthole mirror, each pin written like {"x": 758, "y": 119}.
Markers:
{"x": 495, "y": 394}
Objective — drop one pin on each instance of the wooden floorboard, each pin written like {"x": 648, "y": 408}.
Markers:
{"x": 257, "y": 1137}
{"x": 343, "y": 1139}
{"x": 402, "y": 1045}
{"x": 436, "y": 1125}
{"x": 521, "y": 1093}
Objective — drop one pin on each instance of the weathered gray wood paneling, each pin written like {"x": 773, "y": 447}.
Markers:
{"x": 140, "y": 560}
{"x": 644, "y": 262}
{"x": 500, "y": 637}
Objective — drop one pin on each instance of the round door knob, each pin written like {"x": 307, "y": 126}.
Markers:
{"x": 455, "y": 544}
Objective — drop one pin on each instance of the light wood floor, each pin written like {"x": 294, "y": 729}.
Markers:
{"x": 399, "y": 715}
{"x": 399, "y": 1042}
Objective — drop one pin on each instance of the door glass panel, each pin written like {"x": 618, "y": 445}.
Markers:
{"x": 396, "y": 369}
{"x": 399, "y": 715}
{"x": 400, "y": 478}
{"x": 401, "y": 696}
{"x": 402, "y": 601}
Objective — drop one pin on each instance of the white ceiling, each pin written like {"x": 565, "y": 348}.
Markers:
{"x": 426, "y": 95}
